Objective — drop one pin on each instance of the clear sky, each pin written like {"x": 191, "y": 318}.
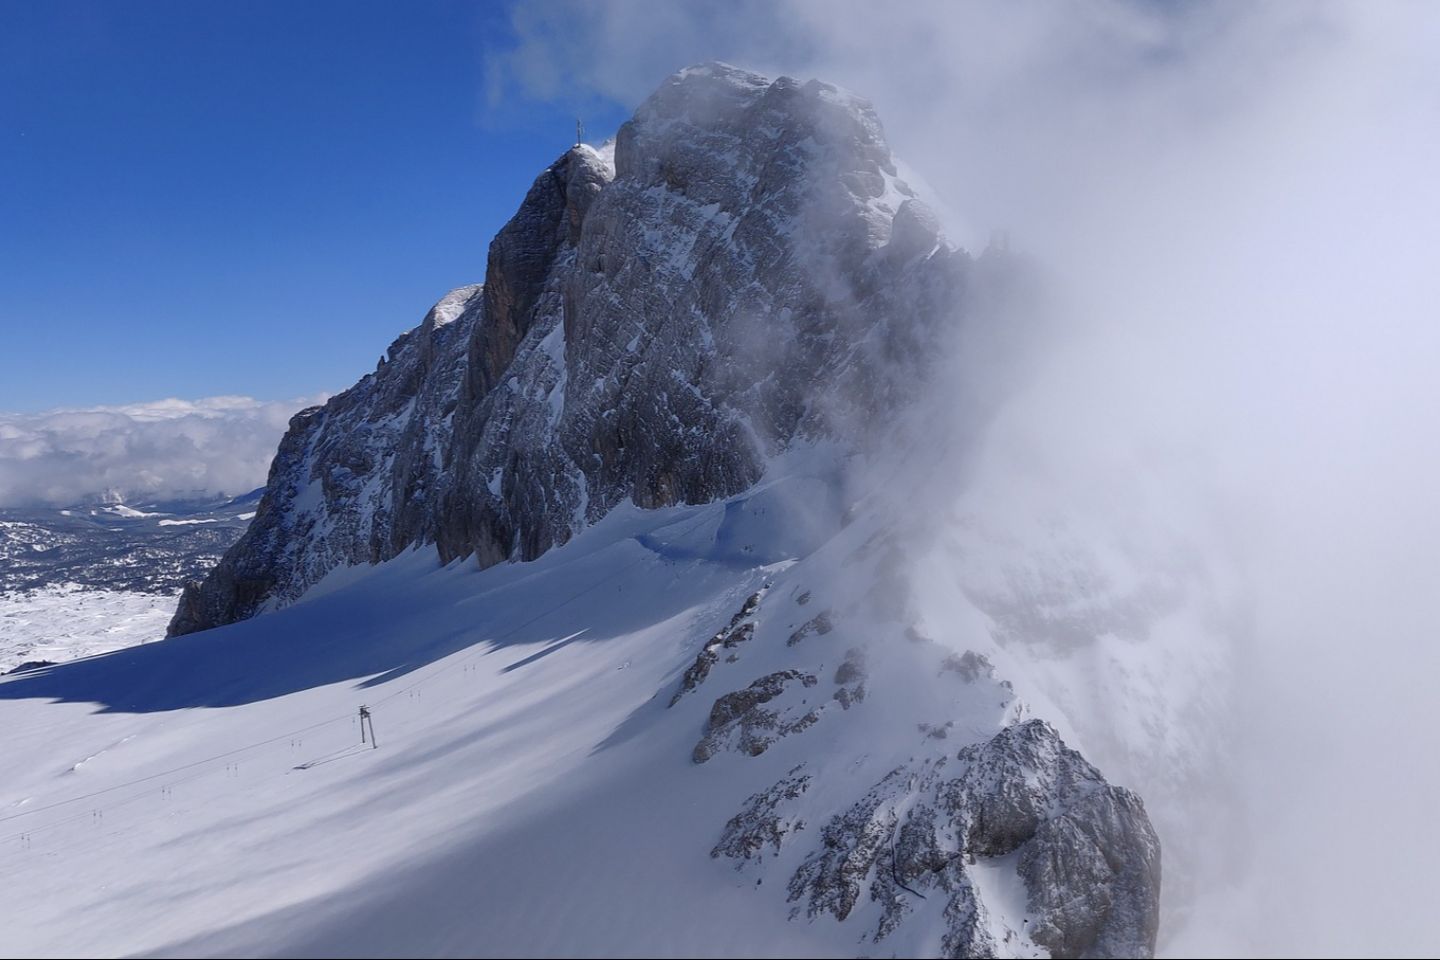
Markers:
{"x": 249, "y": 198}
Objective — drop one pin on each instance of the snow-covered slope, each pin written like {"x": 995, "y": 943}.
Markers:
{"x": 539, "y": 789}
{"x": 753, "y": 689}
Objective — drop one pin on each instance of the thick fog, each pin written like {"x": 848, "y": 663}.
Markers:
{"x": 1237, "y": 211}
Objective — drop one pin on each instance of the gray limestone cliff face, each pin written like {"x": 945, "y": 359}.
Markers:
{"x": 744, "y": 269}
{"x": 354, "y": 481}
{"x": 935, "y": 828}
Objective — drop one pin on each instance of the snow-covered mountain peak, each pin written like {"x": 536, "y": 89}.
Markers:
{"x": 692, "y": 377}
{"x": 748, "y": 271}
{"x": 723, "y": 135}
{"x": 449, "y": 308}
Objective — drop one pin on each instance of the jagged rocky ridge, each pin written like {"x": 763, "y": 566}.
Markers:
{"x": 1084, "y": 850}
{"x": 742, "y": 268}
{"x": 1088, "y": 859}
{"x": 742, "y": 272}
{"x": 951, "y": 822}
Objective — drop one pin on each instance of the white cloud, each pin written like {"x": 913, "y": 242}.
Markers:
{"x": 173, "y": 447}
{"x": 1240, "y": 209}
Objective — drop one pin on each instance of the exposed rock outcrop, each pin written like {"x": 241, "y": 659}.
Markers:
{"x": 820, "y": 624}
{"x": 743, "y": 720}
{"x": 762, "y": 824}
{"x": 739, "y": 630}
{"x": 951, "y": 826}
{"x": 744, "y": 268}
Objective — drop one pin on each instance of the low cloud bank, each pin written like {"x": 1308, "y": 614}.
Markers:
{"x": 164, "y": 448}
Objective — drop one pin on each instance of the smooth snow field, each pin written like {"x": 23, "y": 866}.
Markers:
{"x": 211, "y": 794}
{"x": 533, "y": 791}
{"x": 67, "y": 621}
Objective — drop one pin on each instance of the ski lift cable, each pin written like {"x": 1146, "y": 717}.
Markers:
{"x": 173, "y": 770}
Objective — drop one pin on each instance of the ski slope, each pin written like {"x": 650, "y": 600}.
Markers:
{"x": 530, "y": 791}
{"x": 534, "y": 791}
{"x": 180, "y": 805}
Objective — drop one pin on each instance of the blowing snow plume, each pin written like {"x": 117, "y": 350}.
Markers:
{"x": 1225, "y": 451}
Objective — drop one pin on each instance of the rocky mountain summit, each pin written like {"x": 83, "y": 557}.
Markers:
{"x": 740, "y": 277}
{"x": 742, "y": 267}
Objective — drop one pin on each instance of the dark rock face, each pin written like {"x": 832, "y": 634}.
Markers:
{"x": 1084, "y": 850}
{"x": 746, "y": 272}
{"x": 820, "y": 624}
{"x": 762, "y": 824}
{"x": 355, "y": 481}
{"x": 741, "y": 721}
{"x": 740, "y": 630}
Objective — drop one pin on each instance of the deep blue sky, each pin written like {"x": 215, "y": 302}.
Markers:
{"x": 251, "y": 198}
